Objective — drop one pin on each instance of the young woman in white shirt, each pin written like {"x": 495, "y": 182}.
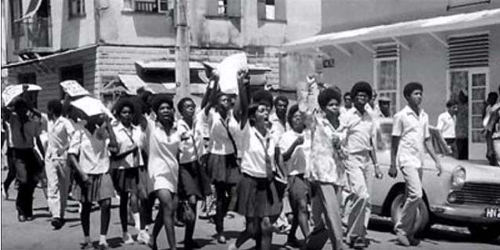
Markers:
{"x": 190, "y": 186}
{"x": 258, "y": 197}
{"x": 88, "y": 154}
{"x": 163, "y": 166}
{"x": 125, "y": 163}
{"x": 222, "y": 162}
{"x": 295, "y": 147}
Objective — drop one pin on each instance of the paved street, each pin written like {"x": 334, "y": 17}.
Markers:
{"x": 39, "y": 235}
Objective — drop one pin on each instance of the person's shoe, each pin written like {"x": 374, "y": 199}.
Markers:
{"x": 360, "y": 243}
{"x": 230, "y": 215}
{"x": 21, "y": 218}
{"x": 86, "y": 246}
{"x": 292, "y": 242}
{"x": 232, "y": 246}
{"x": 152, "y": 244}
{"x": 127, "y": 239}
{"x": 103, "y": 246}
{"x": 221, "y": 239}
{"x": 57, "y": 223}
{"x": 403, "y": 240}
{"x": 143, "y": 237}
{"x": 29, "y": 218}
{"x": 179, "y": 223}
{"x": 413, "y": 241}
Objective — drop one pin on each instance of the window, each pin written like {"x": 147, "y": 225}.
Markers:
{"x": 272, "y": 10}
{"x": 149, "y": 6}
{"x": 74, "y": 72}
{"x": 386, "y": 73}
{"x": 223, "y": 8}
{"x": 16, "y": 12}
{"x": 76, "y": 8}
{"x": 29, "y": 78}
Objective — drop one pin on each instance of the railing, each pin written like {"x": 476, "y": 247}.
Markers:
{"x": 146, "y": 6}
{"x": 35, "y": 32}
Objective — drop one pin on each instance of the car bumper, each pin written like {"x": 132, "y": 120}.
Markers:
{"x": 463, "y": 214}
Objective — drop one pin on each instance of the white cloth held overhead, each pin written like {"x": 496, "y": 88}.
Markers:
{"x": 228, "y": 72}
{"x": 91, "y": 106}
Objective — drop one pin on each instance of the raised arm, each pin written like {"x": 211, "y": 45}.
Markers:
{"x": 210, "y": 97}
{"x": 243, "y": 99}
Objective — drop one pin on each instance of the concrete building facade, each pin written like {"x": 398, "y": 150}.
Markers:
{"x": 94, "y": 41}
{"x": 452, "y": 47}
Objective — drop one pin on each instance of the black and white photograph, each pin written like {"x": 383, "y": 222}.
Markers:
{"x": 250, "y": 124}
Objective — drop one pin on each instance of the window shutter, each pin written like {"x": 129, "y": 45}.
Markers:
{"x": 212, "y": 7}
{"x": 385, "y": 51}
{"x": 468, "y": 51}
{"x": 261, "y": 9}
{"x": 280, "y": 10}
{"x": 234, "y": 8}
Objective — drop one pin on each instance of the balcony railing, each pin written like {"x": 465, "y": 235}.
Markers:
{"x": 146, "y": 6}
{"x": 33, "y": 34}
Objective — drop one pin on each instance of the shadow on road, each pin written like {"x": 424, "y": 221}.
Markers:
{"x": 434, "y": 235}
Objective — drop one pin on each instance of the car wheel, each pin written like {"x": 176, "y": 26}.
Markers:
{"x": 421, "y": 224}
{"x": 485, "y": 233}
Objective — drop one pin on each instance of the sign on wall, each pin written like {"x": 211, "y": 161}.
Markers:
{"x": 329, "y": 63}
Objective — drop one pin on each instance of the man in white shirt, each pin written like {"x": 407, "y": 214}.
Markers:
{"x": 410, "y": 140}
{"x": 347, "y": 103}
{"x": 446, "y": 123}
{"x": 59, "y": 134}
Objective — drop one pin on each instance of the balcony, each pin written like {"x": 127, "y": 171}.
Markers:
{"x": 33, "y": 35}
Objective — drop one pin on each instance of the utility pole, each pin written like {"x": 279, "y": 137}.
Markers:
{"x": 182, "y": 51}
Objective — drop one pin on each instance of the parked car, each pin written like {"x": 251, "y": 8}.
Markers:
{"x": 467, "y": 193}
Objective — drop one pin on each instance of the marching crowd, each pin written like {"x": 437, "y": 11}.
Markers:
{"x": 261, "y": 164}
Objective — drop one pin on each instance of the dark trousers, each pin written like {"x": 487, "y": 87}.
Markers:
{"x": 27, "y": 169}
{"x": 452, "y": 144}
{"x": 11, "y": 174}
{"x": 226, "y": 200}
{"x": 462, "y": 148}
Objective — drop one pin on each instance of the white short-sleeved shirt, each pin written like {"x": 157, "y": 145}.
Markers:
{"x": 277, "y": 128}
{"x": 253, "y": 156}
{"x": 93, "y": 152}
{"x": 344, "y": 110}
{"x": 446, "y": 124}
{"x": 59, "y": 137}
{"x": 163, "y": 166}
{"x": 219, "y": 142}
{"x": 325, "y": 165}
{"x": 412, "y": 129}
{"x": 128, "y": 139}
{"x": 360, "y": 129}
{"x": 299, "y": 160}
{"x": 191, "y": 146}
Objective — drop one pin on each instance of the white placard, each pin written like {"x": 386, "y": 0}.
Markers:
{"x": 73, "y": 88}
{"x": 228, "y": 72}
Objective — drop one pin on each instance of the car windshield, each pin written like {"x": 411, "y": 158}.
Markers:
{"x": 384, "y": 138}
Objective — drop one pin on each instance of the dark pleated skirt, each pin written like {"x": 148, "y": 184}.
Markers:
{"x": 258, "y": 198}
{"x": 100, "y": 188}
{"x": 223, "y": 168}
{"x": 190, "y": 180}
{"x": 126, "y": 180}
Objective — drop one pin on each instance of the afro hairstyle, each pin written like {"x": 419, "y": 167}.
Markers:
{"x": 410, "y": 87}
{"x": 327, "y": 95}
{"x": 362, "y": 87}
{"x": 159, "y": 100}
{"x": 263, "y": 97}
